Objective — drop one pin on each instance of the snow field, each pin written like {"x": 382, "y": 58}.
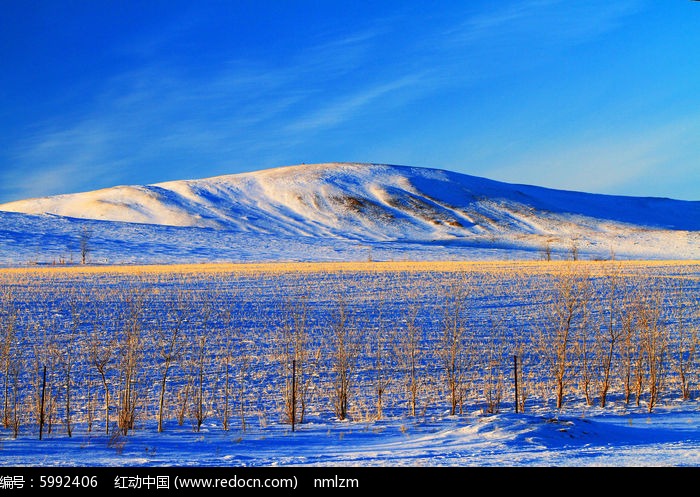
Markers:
{"x": 436, "y": 345}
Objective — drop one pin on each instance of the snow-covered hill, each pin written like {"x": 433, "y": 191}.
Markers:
{"x": 395, "y": 208}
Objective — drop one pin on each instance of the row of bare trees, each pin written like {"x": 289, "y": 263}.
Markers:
{"x": 125, "y": 352}
{"x": 633, "y": 328}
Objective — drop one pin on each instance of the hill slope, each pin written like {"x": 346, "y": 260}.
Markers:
{"x": 373, "y": 203}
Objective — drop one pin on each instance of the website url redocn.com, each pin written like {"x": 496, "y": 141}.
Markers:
{"x": 235, "y": 482}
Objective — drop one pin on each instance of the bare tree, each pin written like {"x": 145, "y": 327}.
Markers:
{"x": 655, "y": 340}
{"x": 583, "y": 351}
{"x": 610, "y": 331}
{"x": 631, "y": 357}
{"x": 638, "y": 355}
{"x": 378, "y": 349}
{"x": 200, "y": 393}
{"x": 169, "y": 343}
{"x": 345, "y": 342}
{"x": 408, "y": 350}
{"x": 185, "y": 390}
{"x": 15, "y": 391}
{"x": 547, "y": 250}
{"x": 452, "y": 349}
{"x": 8, "y": 331}
{"x": 295, "y": 358}
{"x": 573, "y": 248}
{"x": 243, "y": 365}
{"x": 85, "y": 248}
{"x": 562, "y": 316}
{"x": 11, "y": 355}
{"x": 524, "y": 381}
{"x": 492, "y": 351}
{"x": 223, "y": 405}
{"x": 69, "y": 341}
{"x": 227, "y": 343}
{"x": 201, "y": 399}
{"x": 44, "y": 351}
{"x": 38, "y": 352}
{"x": 685, "y": 339}
{"x": 235, "y": 350}
{"x": 131, "y": 354}
{"x": 101, "y": 348}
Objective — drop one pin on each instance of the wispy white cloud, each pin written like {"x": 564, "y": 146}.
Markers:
{"x": 156, "y": 113}
{"x": 347, "y": 106}
{"x": 511, "y": 37}
{"x": 537, "y": 22}
{"x": 61, "y": 161}
{"x": 606, "y": 164}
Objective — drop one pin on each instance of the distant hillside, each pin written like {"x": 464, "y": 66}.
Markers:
{"x": 373, "y": 203}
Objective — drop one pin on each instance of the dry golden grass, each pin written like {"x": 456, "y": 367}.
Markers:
{"x": 522, "y": 267}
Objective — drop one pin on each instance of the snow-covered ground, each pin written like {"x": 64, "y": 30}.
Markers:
{"x": 380, "y": 298}
{"x": 586, "y": 437}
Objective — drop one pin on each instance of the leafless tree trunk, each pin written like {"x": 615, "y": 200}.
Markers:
{"x": 574, "y": 250}
{"x": 131, "y": 353}
{"x": 524, "y": 381}
{"x": 202, "y": 359}
{"x": 8, "y": 321}
{"x": 85, "y": 237}
{"x": 228, "y": 339}
{"x": 41, "y": 352}
{"x": 101, "y": 348}
{"x": 345, "y": 341}
{"x": 294, "y": 341}
{"x": 378, "y": 350}
{"x": 11, "y": 356}
{"x": 584, "y": 352}
{"x": 654, "y": 344}
{"x": 452, "y": 350}
{"x": 562, "y": 317}
{"x": 236, "y": 361}
{"x": 408, "y": 351}
{"x": 685, "y": 339}
{"x": 610, "y": 332}
{"x": 53, "y": 353}
{"x": 639, "y": 364}
{"x": 547, "y": 249}
{"x": 183, "y": 394}
{"x": 243, "y": 363}
{"x": 199, "y": 400}
{"x": 15, "y": 392}
{"x": 227, "y": 392}
{"x": 630, "y": 355}
{"x": 69, "y": 343}
{"x": 493, "y": 352}
{"x": 90, "y": 401}
{"x": 169, "y": 343}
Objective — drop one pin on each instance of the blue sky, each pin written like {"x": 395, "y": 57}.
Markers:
{"x": 591, "y": 95}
